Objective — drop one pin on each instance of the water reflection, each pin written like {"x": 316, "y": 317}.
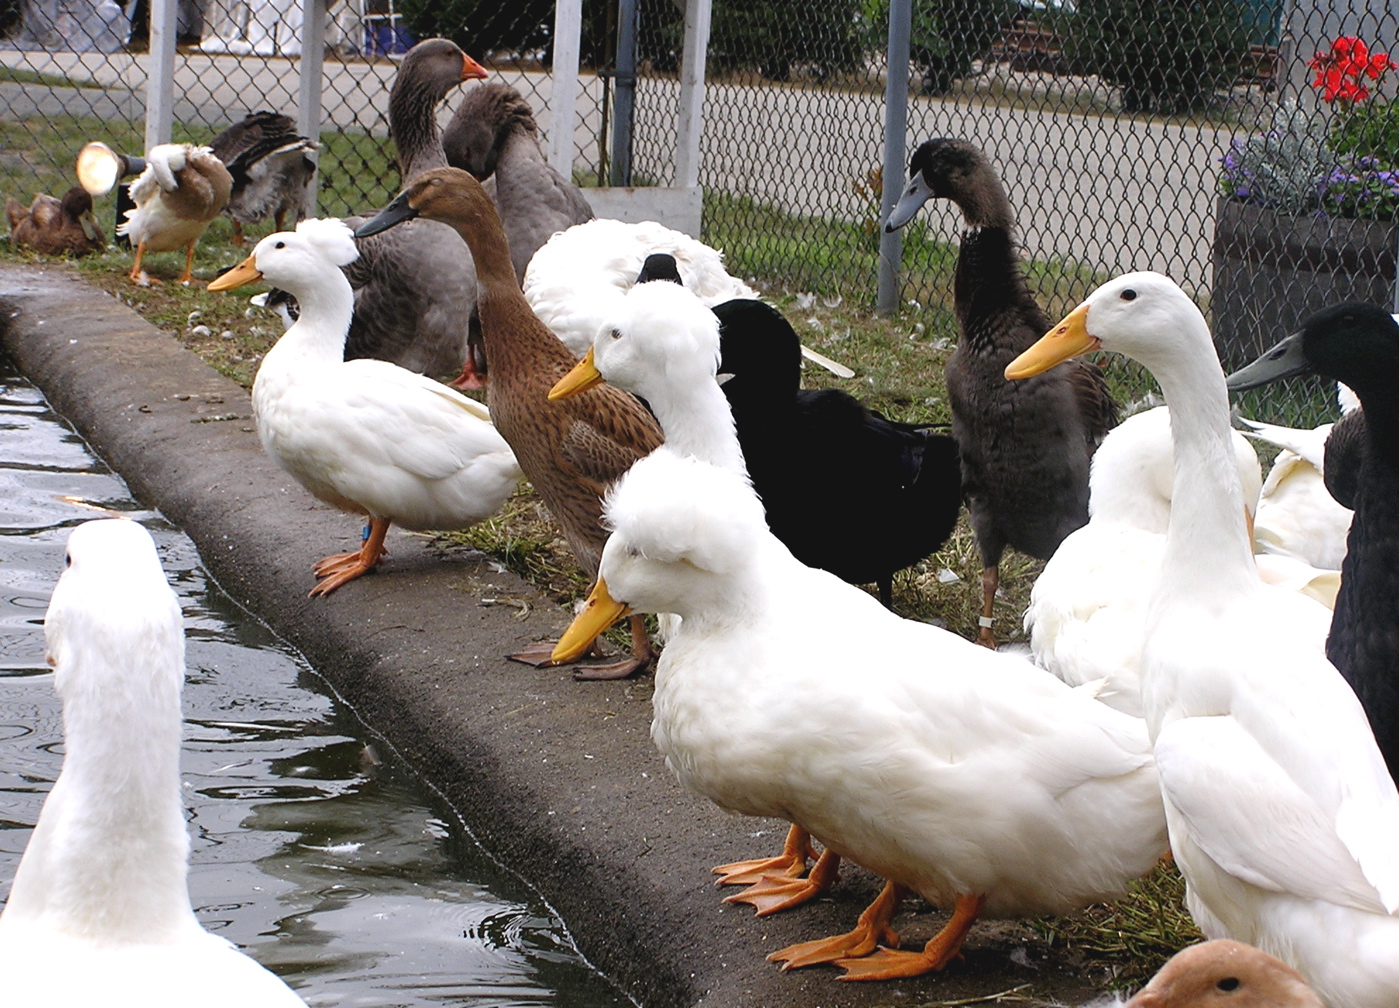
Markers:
{"x": 313, "y": 849}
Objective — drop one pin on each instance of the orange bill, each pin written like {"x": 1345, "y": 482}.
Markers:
{"x": 470, "y": 69}
{"x": 244, "y": 273}
{"x": 1068, "y": 339}
{"x": 599, "y": 613}
{"x": 583, "y": 377}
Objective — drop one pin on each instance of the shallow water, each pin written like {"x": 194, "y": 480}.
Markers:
{"x": 314, "y": 849}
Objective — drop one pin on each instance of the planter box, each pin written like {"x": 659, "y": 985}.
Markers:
{"x": 1272, "y": 270}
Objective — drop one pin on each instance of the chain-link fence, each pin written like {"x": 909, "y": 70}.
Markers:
{"x": 1247, "y": 148}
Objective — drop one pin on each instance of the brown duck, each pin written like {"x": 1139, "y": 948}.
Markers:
{"x": 572, "y": 449}
{"x": 53, "y": 226}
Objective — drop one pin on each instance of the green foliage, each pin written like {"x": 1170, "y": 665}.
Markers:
{"x": 946, "y": 37}
{"x": 777, "y": 37}
{"x": 488, "y": 26}
{"x": 1167, "y": 56}
{"x": 1369, "y": 131}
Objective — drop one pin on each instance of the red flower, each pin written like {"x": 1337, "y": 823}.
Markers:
{"x": 1340, "y": 71}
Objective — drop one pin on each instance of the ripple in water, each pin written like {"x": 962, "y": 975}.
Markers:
{"x": 314, "y": 850}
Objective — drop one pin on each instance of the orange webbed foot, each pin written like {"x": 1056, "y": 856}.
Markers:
{"x": 892, "y": 964}
{"x": 791, "y": 863}
{"x": 872, "y": 930}
{"x": 773, "y": 893}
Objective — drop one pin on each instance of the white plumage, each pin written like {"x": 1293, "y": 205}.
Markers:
{"x": 364, "y": 435}
{"x": 99, "y": 913}
{"x": 183, "y": 188}
{"x": 1282, "y": 814}
{"x": 963, "y": 774}
{"x": 575, "y": 281}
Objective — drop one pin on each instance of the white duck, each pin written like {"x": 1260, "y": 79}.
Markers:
{"x": 182, "y": 190}
{"x": 99, "y": 913}
{"x": 1297, "y": 516}
{"x": 575, "y": 281}
{"x": 364, "y": 435}
{"x": 970, "y": 777}
{"x": 1087, "y": 612}
{"x": 1282, "y": 814}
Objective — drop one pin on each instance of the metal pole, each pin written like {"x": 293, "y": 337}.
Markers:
{"x": 563, "y": 98}
{"x": 160, "y": 73}
{"x": 687, "y": 154}
{"x": 312, "y": 70}
{"x": 624, "y": 95}
{"x": 895, "y": 128}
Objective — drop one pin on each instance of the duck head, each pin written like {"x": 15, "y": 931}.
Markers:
{"x": 441, "y": 194}
{"x": 437, "y": 65}
{"x": 661, "y": 335}
{"x": 956, "y": 170}
{"x": 1353, "y": 342}
{"x": 1225, "y": 974}
{"x": 684, "y": 534}
{"x": 295, "y": 261}
{"x": 1144, "y": 316}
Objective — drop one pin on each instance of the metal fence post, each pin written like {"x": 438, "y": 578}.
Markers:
{"x": 692, "y": 60}
{"x": 624, "y": 101}
{"x": 895, "y": 128}
{"x": 160, "y": 72}
{"x": 563, "y": 92}
{"x": 312, "y": 70}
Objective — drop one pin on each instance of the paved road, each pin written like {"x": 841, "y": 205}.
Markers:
{"x": 1108, "y": 192}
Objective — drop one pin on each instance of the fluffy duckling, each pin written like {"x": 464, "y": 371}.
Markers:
{"x": 54, "y": 227}
{"x": 366, "y": 436}
{"x": 1223, "y": 973}
{"x": 99, "y": 913}
{"x": 570, "y": 450}
{"x": 1025, "y": 448}
{"x": 1359, "y": 345}
{"x": 970, "y": 777}
{"x": 182, "y": 190}
{"x": 271, "y": 167}
{"x": 1282, "y": 814}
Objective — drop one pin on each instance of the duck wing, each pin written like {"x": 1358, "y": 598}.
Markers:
{"x": 603, "y": 444}
{"x": 1095, "y": 402}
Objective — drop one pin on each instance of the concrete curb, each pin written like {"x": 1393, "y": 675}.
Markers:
{"x": 557, "y": 779}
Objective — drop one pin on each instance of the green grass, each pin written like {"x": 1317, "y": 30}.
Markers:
{"x": 17, "y": 76}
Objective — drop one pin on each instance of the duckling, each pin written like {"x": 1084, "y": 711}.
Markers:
{"x": 366, "y": 436}
{"x": 99, "y": 912}
{"x": 1282, "y": 814}
{"x": 1025, "y": 447}
{"x": 1358, "y": 344}
{"x": 970, "y": 777}
{"x": 272, "y": 168}
{"x": 572, "y": 450}
{"x": 54, "y": 227}
{"x": 1222, "y": 972}
{"x": 183, "y": 189}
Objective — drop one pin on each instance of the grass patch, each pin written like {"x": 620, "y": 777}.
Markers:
{"x": 14, "y": 75}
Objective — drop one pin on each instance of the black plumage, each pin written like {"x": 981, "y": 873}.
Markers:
{"x": 1025, "y": 445}
{"x": 1359, "y": 344}
{"x": 271, "y": 167}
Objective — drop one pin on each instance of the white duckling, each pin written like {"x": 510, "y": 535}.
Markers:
{"x": 1225, "y": 974}
{"x": 970, "y": 777}
{"x": 182, "y": 190}
{"x": 364, "y": 435}
{"x": 1282, "y": 814}
{"x": 1087, "y": 612}
{"x": 99, "y": 913}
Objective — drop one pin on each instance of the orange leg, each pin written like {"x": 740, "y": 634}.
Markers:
{"x": 471, "y": 376}
{"x": 238, "y": 238}
{"x": 186, "y": 276}
{"x": 774, "y": 894}
{"x": 891, "y": 964}
{"x": 791, "y": 863}
{"x": 342, "y": 567}
{"x": 540, "y": 654}
{"x": 138, "y": 275}
{"x": 990, "y": 581}
{"x": 871, "y": 930}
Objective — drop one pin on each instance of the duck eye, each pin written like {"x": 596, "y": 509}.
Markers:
{"x": 280, "y": 245}
{"x": 67, "y": 560}
{"x": 1228, "y": 984}
{"x": 1128, "y": 295}
{"x": 616, "y": 334}
{"x": 436, "y": 181}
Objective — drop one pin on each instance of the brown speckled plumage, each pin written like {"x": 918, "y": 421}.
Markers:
{"x": 53, "y": 226}
{"x": 572, "y": 449}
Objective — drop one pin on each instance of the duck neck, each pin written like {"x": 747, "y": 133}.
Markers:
{"x": 1208, "y": 553}
{"x": 987, "y": 284}
{"x": 413, "y": 126}
{"x": 696, "y": 420}
{"x": 108, "y": 859}
{"x": 1381, "y": 425}
{"x": 319, "y": 334}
